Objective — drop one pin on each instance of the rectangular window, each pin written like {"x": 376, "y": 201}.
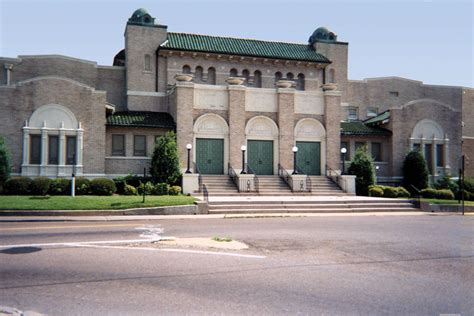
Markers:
{"x": 53, "y": 150}
{"x": 35, "y": 149}
{"x": 70, "y": 150}
{"x": 439, "y": 155}
{"x": 371, "y": 112}
{"x": 429, "y": 157}
{"x": 118, "y": 145}
{"x": 139, "y": 145}
{"x": 377, "y": 151}
{"x": 359, "y": 145}
{"x": 352, "y": 114}
{"x": 393, "y": 93}
{"x": 348, "y": 151}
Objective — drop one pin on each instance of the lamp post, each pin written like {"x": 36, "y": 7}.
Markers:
{"x": 243, "y": 148}
{"x": 343, "y": 152}
{"x": 73, "y": 176}
{"x": 376, "y": 170}
{"x": 188, "y": 147}
{"x": 295, "y": 150}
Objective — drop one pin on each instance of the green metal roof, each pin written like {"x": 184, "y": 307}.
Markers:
{"x": 359, "y": 128}
{"x": 242, "y": 47}
{"x": 141, "y": 119}
{"x": 379, "y": 119}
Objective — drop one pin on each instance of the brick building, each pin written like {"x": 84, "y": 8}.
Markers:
{"x": 219, "y": 94}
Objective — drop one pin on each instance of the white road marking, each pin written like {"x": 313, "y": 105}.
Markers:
{"x": 176, "y": 250}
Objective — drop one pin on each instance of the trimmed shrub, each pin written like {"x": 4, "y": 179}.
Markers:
{"x": 148, "y": 188}
{"x": 174, "y": 190}
{"x": 165, "y": 161}
{"x": 402, "y": 192}
{"x": 83, "y": 186}
{"x": 129, "y": 190}
{"x": 40, "y": 186}
{"x": 60, "y": 186}
{"x": 446, "y": 183}
{"x": 102, "y": 186}
{"x": 362, "y": 166}
{"x": 120, "y": 184}
{"x": 161, "y": 189}
{"x": 445, "y": 194}
{"x": 390, "y": 192}
{"x": 469, "y": 185}
{"x": 375, "y": 191}
{"x": 18, "y": 186}
{"x": 5, "y": 166}
{"x": 415, "y": 172}
{"x": 428, "y": 193}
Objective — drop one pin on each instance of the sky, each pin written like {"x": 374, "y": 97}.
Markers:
{"x": 431, "y": 40}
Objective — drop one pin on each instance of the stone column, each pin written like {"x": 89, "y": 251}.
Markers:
{"x": 184, "y": 120}
{"x": 26, "y": 146}
{"x": 286, "y": 126}
{"x": 44, "y": 150}
{"x": 434, "y": 157}
{"x": 447, "y": 168}
{"x": 79, "y": 148}
{"x": 332, "y": 123}
{"x": 62, "y": 151}
{"x": 422, "y": 146}
{"x": 236, "y": 124}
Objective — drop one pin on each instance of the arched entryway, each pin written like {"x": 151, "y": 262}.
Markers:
{"x": 211, "y": 144}
{"x": 261, "y": 135}
{"x": 310, "y": 138}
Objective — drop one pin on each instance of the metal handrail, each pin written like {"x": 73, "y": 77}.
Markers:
{"x": 196, "y": 170}
{"x": 333, "y": 175}
{"x": 285, "y": 176}
{"x": 417, "y": 200}
{"x": 308, "y": 180}
{"x": 256, "y": 182}
{"x": 233, "y": 175}
{"x": 205, "y": 193}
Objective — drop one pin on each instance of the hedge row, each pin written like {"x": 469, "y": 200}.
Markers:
{"x": 387, "y": 191}
{"x": 151, "y": 189}
{"x": 443, "y": 194}
{"x": 59, "y": 186}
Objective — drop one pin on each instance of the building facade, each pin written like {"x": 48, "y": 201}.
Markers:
{"x": 60, "y": 114}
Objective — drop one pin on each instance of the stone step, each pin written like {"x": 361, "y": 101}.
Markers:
{"x": 307, "y": 206}
{"x": 314, "y": 210}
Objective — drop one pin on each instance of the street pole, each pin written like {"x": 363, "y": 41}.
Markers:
{"x": 144, "y": 184}
{"x": 188, "y": 147}
{"x": 73, "y": 176}
{"x": 243, "y": 148}
{"x": 462, "y": 182}
{"x": 295, "y": 151}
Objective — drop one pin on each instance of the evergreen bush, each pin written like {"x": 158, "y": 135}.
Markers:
{"x": 165, "y": 161}
{"x": 375, "y": 191}
{"x": 129, "y": 190}
{"x": 40, "y": 186}
{"x": 60, "y": 186}
{"x": 390, "y": 192}
{"x": 402, "y": 192}
{"x": 429, "y": 193}
{"x": 362, "y": 166}
{"x": 161, "y": 189}
{"x": 18, "y": 186}
{"x": 175, "y": 190}
{"x": 103, "y": 186}
{"x": 83, "y": 186}
{"x": 148, "y": 188}
{"x": 415, "y": 172}
{"x": 445, "y": 194}
{"x": 5, "y": 166}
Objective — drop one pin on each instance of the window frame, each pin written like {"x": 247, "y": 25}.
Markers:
{"x": 71, "y": 160}
{"x": 115, "y": 152}
{"x": 352, "y": 108}
{"x": 52, "y": 161}
{"x": 136, "y": 152}
{"x": 35, "y": 138}
{"x": 380, "y": 156}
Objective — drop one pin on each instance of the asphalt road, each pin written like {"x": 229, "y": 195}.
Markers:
{"x": 393, "y": 265}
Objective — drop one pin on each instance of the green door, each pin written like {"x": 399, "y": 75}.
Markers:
{"x": 210, "y": 155}
{"x": 308, "y": 157}
{"x": 260, "y": 156}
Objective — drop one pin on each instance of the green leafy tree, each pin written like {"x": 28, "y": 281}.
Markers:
{"x": 5, "y": 166}
{"x": 415, "y": 172}
{"x": 362, "y": 166}
{"x": 165, "y": 160}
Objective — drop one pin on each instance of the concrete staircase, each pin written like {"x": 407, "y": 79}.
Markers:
{"x": 323, "y": 186}
{"x": 310, "y": 206}
{"x": 273, "y": 185}
{"x": 219, "y": 185}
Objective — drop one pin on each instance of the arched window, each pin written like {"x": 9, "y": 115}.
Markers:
{"x": 186, "y": 69}
{"x": 211, "y": 75}
{"x": 147, "y": 63}
{"x": 257, "y": 79}
{"x": 198, "y": 74}
{"x": 300, "y": 82}
{"x": 332, "y": 76}
{"x": 290, "y": 76}
{"x": 278, "y": 76}
{"x": 234, "y": 72}
{"x": 246, "y": 75}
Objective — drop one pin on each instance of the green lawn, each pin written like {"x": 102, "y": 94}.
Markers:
{"x": 88, "y": 202}
{"x": 437, "y": 201}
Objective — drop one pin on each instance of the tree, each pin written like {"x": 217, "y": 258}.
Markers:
{"x": 165, "y": 161}
{"x": 362, "y": 166}
{"x": 415, "y": 172}
{"x": 5, "y": 166}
